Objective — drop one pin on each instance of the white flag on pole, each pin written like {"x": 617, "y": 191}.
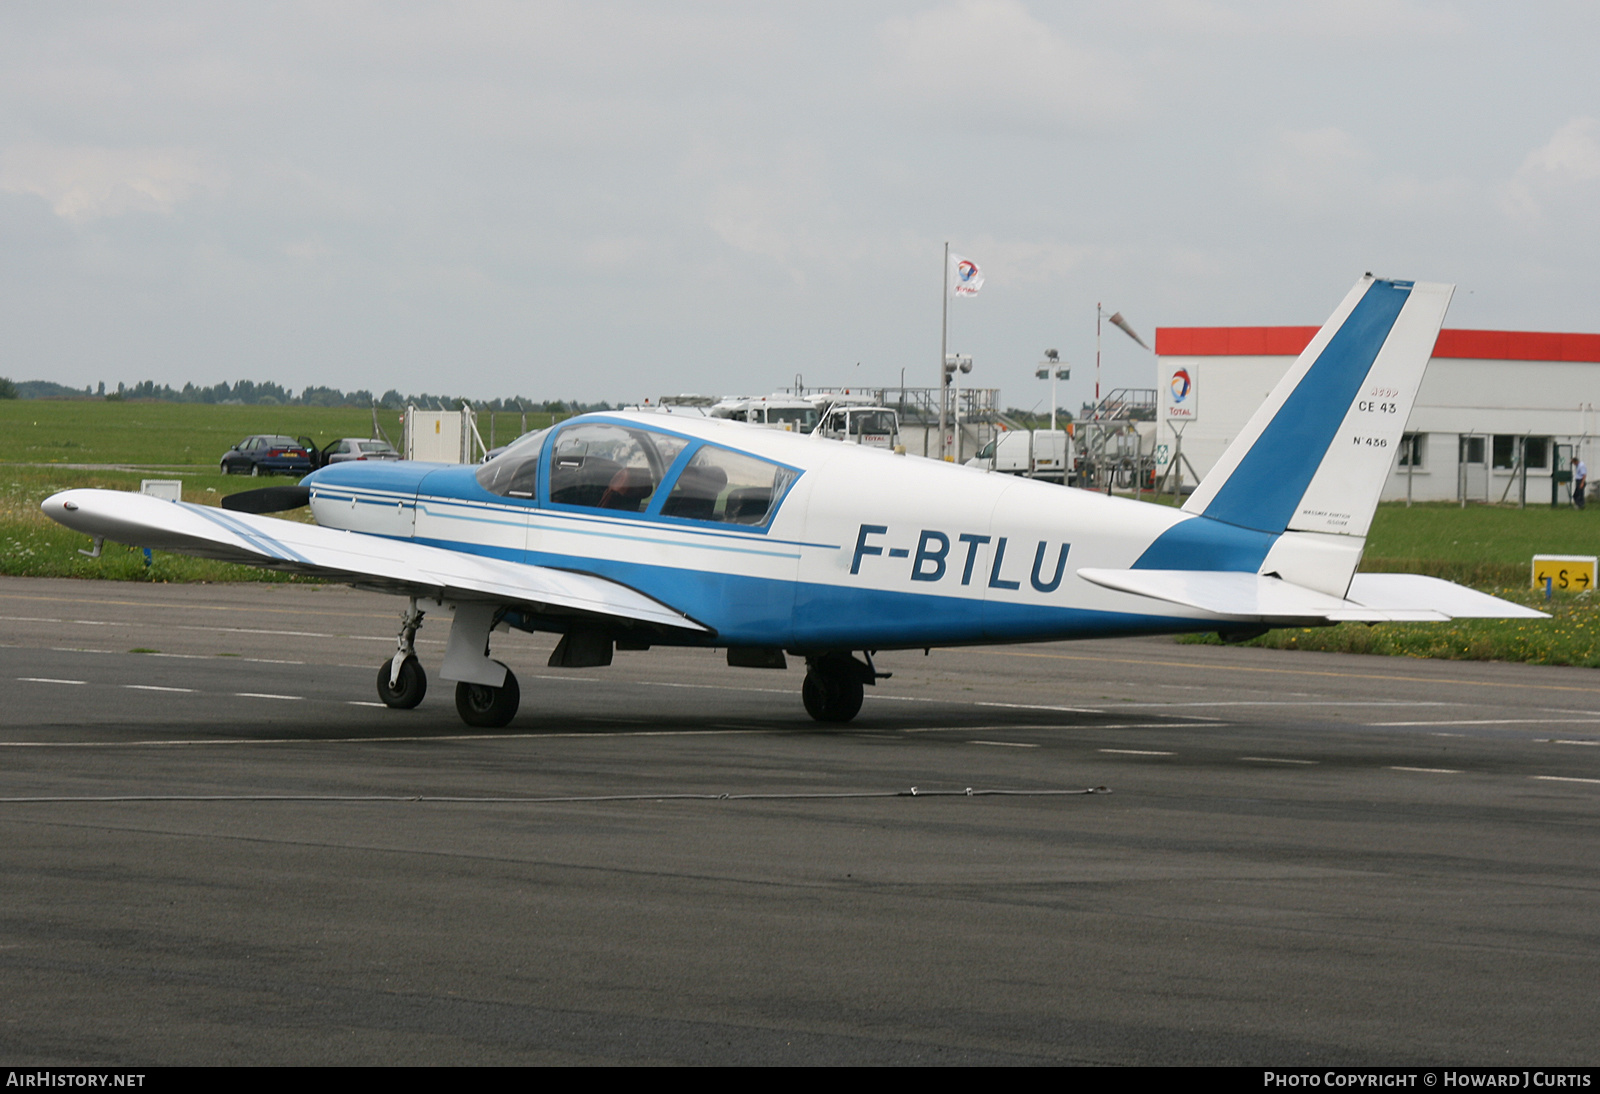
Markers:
{"x": 965, "y": 277}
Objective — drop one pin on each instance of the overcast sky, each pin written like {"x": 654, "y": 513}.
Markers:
{"x": 617, "y": 200}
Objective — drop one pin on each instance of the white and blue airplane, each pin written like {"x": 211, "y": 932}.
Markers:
{"x": 628, "y": 530}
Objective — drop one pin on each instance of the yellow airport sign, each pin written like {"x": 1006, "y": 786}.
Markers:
{"x": 1575, "y": 573}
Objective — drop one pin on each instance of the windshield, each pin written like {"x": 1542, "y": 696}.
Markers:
{"x": 515, "y": 472}
{"x": 803, "y": 417}
{"x": 872, "y": 421}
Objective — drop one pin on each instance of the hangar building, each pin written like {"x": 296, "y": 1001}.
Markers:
{"x": 1498, "y": 416}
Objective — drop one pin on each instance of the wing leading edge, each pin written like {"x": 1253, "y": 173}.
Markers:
{"x": 371, "y": 562}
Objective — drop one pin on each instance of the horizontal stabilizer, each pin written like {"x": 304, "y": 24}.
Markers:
{"x": 1258, "y": 598}
{"x": 1455, "y": 601}
{"x": 371, "y": 562}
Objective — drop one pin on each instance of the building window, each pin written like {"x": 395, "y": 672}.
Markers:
{"x": 1505, "y": 452}
{"x": 1471, "y": 449}
{"x": 1414, "y": 450}
{"x": 1536, "y": 452}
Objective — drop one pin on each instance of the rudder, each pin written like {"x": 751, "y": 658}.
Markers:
{"x": 1316, "y": 454}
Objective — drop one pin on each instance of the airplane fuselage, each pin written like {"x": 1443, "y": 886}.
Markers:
{"x": 864, "y": 549}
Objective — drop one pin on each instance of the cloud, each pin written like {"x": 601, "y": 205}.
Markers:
{"x": 614, "y": 252}
{"x": 1382, "y": 22}
{"x": 1318, "y": 171}
{"x": 1564, "y": 171}
{"x": 85, "y": 183}
{"x": 1310, "y": 169}
{"x": 990, "y": 63}
{"x": 311, "y": 249}
{"x": 777, "y": 204}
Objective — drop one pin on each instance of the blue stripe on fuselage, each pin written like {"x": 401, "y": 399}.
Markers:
{"x": 745, "y": 610}
{"x": 1201, "y": 543}
{"x": 1267, "y": 485}
{"x": 836, "y": 617}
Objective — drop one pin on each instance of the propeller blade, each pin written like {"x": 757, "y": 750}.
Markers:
{"x": 270, "y": 499}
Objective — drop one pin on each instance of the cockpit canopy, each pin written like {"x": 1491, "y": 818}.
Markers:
{"x": 624, "y": 468}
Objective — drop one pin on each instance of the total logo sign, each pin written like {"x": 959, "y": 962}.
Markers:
{"x": 1182, "y": 395}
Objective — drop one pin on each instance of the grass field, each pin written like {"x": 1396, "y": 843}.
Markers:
{"x": 1489, "y": 548}
{"x": 183, "y": 435}
{"x": 49, "y": 445}
{"x": 32, "y": 545}
{"x": 1479, "y": 545}
{"x": 161, "y": 434}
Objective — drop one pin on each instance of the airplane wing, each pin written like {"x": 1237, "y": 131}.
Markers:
{"x": 1259, "y": 598}
{"x": 370, "y": 562}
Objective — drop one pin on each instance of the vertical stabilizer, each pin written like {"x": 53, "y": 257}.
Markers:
{"x": 1316, "y": 454}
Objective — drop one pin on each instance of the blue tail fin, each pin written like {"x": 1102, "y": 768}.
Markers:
{"x": 1316, "y": 454}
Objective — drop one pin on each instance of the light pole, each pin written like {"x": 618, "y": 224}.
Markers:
{"x": 1053, "y": 368}
{"x": 952, "y": 363}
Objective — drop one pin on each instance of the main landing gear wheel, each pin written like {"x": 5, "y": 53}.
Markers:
{"x": 408, "y": 691}
{"x": 486, "y": 707}
{"x": 831, "y": 696}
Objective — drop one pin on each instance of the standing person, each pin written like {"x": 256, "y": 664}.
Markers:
{"x": 1580, "y": 480}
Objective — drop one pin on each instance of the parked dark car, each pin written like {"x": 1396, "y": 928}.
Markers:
{"x": 346, "y": 449}
{"x": 267, "y": 454}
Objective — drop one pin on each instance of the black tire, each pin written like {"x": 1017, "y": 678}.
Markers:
{"x": 814, "y": 694}
{"x": 484, "y": 707}
{"x": 410, "y": 689}
{"x": 831, "y": 697}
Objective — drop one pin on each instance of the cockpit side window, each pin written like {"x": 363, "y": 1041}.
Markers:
{"x": 603, "y": 466}
{"x": 731, "y": 487}
{"x": 514, "y": 473}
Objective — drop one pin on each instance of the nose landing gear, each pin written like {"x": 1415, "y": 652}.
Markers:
{"x": 402, "y": 689}
{"x": 401, "y": 681}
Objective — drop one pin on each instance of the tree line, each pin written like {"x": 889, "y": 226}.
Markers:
{"x": 267, "y": 393}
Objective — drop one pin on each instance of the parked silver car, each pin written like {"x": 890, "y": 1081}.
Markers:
{"x": 357, "y": 448}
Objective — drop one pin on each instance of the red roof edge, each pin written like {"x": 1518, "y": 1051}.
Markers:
{"x": 1492, "y": 345}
